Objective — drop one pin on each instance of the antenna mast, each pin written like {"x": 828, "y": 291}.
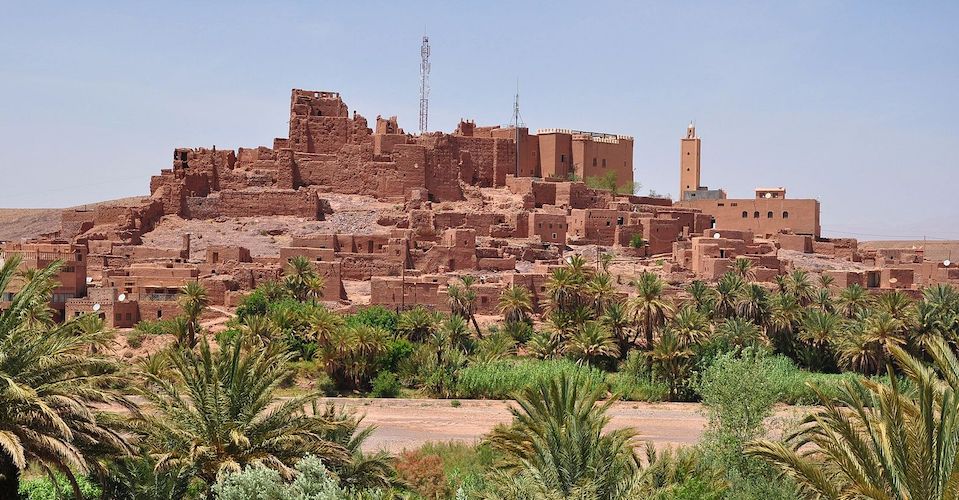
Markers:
{"x": 424, "y": 84}
{"x": 516, "y": 121}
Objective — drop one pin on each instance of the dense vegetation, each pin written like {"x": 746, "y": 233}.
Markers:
{"x": 239, "y": 415}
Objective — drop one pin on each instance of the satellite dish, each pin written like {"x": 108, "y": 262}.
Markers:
{"x": 89, "y": 280}
{"x": 96, "y": 307}
{"x": 893, "y": 280}
{"x": 716, "y": 236}
{"x": 946, "y": 262}
{"x": 569, "y": 260}
{"x": 122, "y": 297}
{"x": 769, "y": 195}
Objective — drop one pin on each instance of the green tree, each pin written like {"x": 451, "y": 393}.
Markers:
{"x": 649, "y": 307}
{"x": 671, "y": 361}
{"x": 559, "y": 445}
{"x": 516, "y": 304}
{"x": 298, "y": 277}
{"x": 591, "y": 343}
{"x": 193, "y": 302}
{"x": 744, "y": 268}
{"x": 49, "y": 383}
{"x": 874, "y": 440}
{"x": 690, "y": 326}
{"x": 219, "y": 411}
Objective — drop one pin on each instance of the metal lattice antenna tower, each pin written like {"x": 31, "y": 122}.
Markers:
{"x": 424, "y": 84}
{"x": 517, "y": 123}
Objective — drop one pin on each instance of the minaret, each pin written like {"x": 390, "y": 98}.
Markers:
{"x": 689, "y": 148}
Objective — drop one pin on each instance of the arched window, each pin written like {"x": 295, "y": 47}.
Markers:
{"x": 769, "y": 215}
{"x": 745, "y": 214}
{"x": 785, "y": 215}
{"x": 756, "y": 214}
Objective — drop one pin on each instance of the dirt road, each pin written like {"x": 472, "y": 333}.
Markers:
{"x": 408, "y": 423}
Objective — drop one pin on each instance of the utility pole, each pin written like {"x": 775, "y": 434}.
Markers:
{"x": 424, "y": 84}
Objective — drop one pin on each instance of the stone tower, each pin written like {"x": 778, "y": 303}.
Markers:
{"x": 689, "y": 148}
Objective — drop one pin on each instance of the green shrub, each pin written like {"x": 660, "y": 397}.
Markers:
{"x": 397, "y": 350}
{"x": 464, "y": 465}
{"x": 385, "y": 385}
{"x": 158, "y": 327}
{"x": 312, "y": 482}
{"x": 135, "y": 339}
{"x": 632, "y": 388}
{"x": 377, "y": 316}
{"x": 501, "y": 379}
{"x": 521, "y": 331}
{"x": 42, "y": 488}
{"x": 637, "y": 241}
{"x": 791, "y": 382}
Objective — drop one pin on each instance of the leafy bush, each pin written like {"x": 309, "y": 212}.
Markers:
{"x": 313, "y": 482}
{"x": 135, "y": 339}
{"x": 501, "y": 379}
{"x": 158, "y": 327}
{"x": 464, "y": 465}
{"x": 397, "y": 350}
{"x": 521, "y": 331}
{"x": 377, "y": 316}
{"x": 42, "y": 488}
{"x": 385, "y": 385}
{"x": 632, "y": 388}
{"x": 791, "y": 382}
{"x": 424, "y": 473}
{"x": 637, "y": 241}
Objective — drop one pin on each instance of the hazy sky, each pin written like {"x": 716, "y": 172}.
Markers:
{"x": 853, "y": 103}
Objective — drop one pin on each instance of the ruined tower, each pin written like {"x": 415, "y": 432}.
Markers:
{"x": 689, "y": 148}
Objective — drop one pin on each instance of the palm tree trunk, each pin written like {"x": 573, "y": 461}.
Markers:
{"x": 9, "y": 477}
{"x": 476, "y": 326}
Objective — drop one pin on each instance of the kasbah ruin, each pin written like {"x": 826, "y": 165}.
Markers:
{"x": 392, "y": 218}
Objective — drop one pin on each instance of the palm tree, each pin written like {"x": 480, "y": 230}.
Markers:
{"x": 362, "y": 471}
{"x": 601, "y": 292}
{"x": 351, "y": 354}
{"x": 605, "y": 259}
{"x": 220, "y": 412}
{"x": 703, "y": 296}
{"x": 753, "y": 303}
{"x": 690, "y": 326}
{"x": 299, "y": 273}
{"x": 866, "y": 340}
{"x": 820, "y": 329}
{"x": 591, "y": 343}
{"x": 49, "y": 382}
{"x": 558, "y": 444}
{"x": 323, "y": 324}
{"x": 454, "y": 331}
{"x": 563, "y": 289}
{"x": 416, "y": 324}
{"x": 874, "y": 441}
{"x": 898, "y": 305}
{"x": 744, "y": 268}
{"x": 853, "y": 300}
{"x": 544, "y": 344}
{"x": 823, "y": 300}
{"x": 799, "y": 286}
{"x": 739, "y": 334}
{"x": 314, "y": 287}
{"x": 826, "y": 281}
{"x": 671, "y": 361}
{"x": 649, "y": 307}
{"x": 193, "y": 301}
{"x": 616, "y": 320}
{"x": 785, "y": 313}
{"x": 462, "y": 301}
{"x": 516, "y": 304}
{"x": 259, "y": 328}
{"x": 728, "y": 289}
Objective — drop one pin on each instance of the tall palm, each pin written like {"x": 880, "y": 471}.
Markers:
{"x": 703, "y": 296}
{"x": 591, "y": 343}
{"x": 193, "y": 301}
{"x": 601, "y": 292}
{"x": 220, "y": 411}
{"x": 799, "y": 286}
{"x": 785, "y": 313}
{"x": 259, "y": 328}
{"x": 616, "y": 319}
{"x": 563, "y": 289}
{"x": 671, "y": 361}
{"x": 466, "y": 302}
{"x": 826, "y": 281}
{"x": 865, "y": 343}
{"x": 753, "y": 303}
{"x": 690, "y": 326}
{"x": 823, "y": 300}
{"x": 744, "y": 268}
{"x": 323, "y": 324}
{"x": 649, "y": 307}
{"x": 417, "y": 324}
{"x": 49, "y": 383}
{"x": 820, "y": 330}
{"x": 314, "y": 287}
{"x": 738, "y": 334}
{"x": 728, "y": 289}
{"x": 298, "y": 274}
{"x": 898, "y": 305}
{"x": 516, "y": 304}
{"x": 559, "y": 444}
{"x": 853, "y": 300}
{"x": 875, "y": 441}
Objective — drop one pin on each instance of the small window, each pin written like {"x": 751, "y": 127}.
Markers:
{"x": 562, "y": 158}
{"x": 159, "y": 313}
{"x": 721, "y": 204}
{"x": 756, "y": 214}
{"x": 769, "y": 215}
{"x": 785, "y": 215}
{"x": 604, "y": 162}
{"x": 594, "y": 162}
{"x": 745, "y": 214}
{"x": 554, "y": 236}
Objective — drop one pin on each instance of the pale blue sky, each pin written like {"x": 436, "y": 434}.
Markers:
{"x": 853, "y": 103}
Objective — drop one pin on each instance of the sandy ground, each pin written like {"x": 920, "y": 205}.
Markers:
{"x": 408, "y": 423}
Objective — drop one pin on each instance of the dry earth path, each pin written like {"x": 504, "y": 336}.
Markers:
{"x": 408, "y": 423}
